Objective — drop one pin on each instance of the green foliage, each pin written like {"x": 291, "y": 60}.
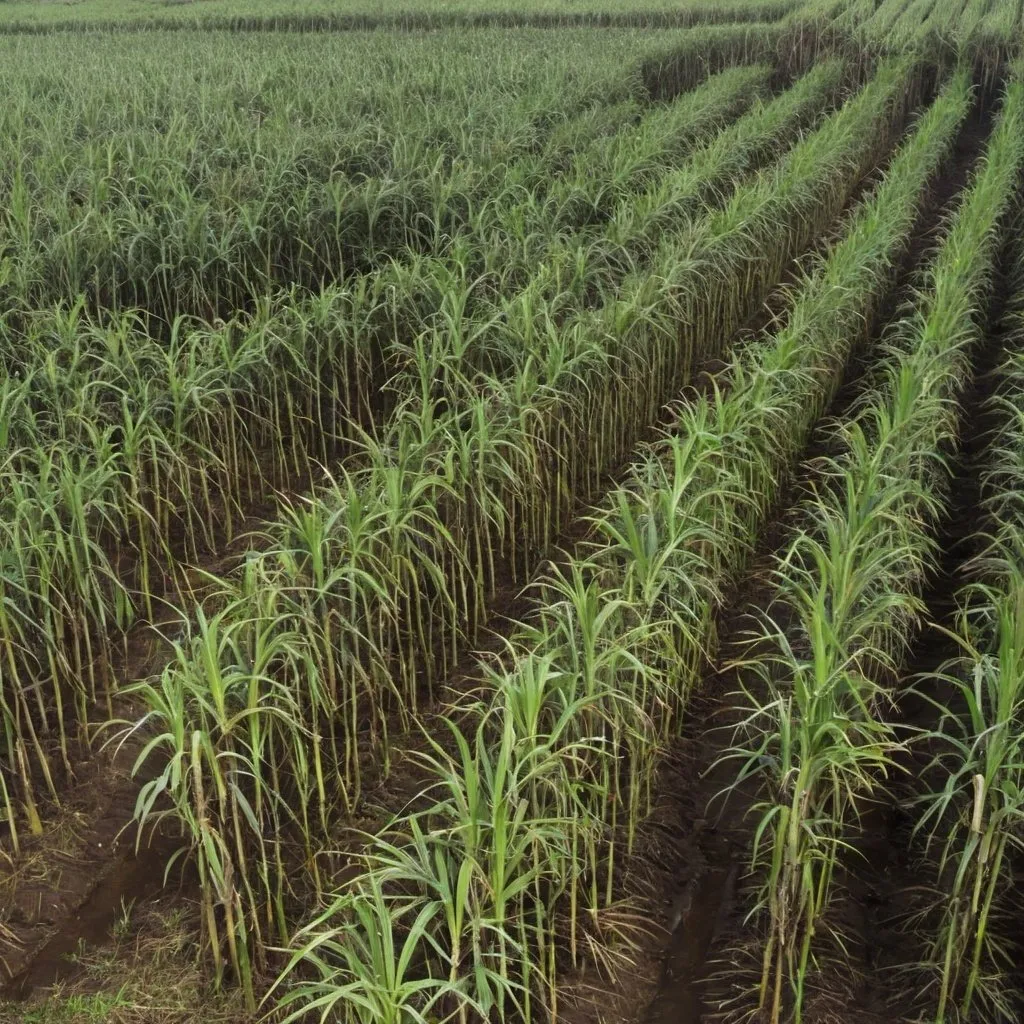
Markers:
{"x": 73, "y": 1009}
{"x": 33, "y": 16}
{"x": 312, "y": 346}
{"x": 131, "y": 453}
{"x": 376, "y": 584}
{"x": 847, "y": 595}
{"x": 619, "y": 638}
{"x": 971, "y": 823}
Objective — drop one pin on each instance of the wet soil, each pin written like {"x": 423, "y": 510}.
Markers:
{"x": 128, "y": 877}
{"x": 72, "y": 883}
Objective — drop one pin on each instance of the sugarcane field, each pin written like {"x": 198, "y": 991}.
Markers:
{"x": 512, "y": 514}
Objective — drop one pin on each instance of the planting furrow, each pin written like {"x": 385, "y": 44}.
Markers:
{"x": 695, "y": 873}
{"x": 566, "y": 726}
{"x": 410, "y": 545}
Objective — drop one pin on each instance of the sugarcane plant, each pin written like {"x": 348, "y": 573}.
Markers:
{"x": 970, "y": 823}
{"x": 132, "y": 456}
{"x": 846, "y": 596}
{"x": 399, "y": 559}
{"x": 618, "y": 637}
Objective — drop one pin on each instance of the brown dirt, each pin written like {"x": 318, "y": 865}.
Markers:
{"x": 71, "y": 884}
{"x": 61, "y": 876}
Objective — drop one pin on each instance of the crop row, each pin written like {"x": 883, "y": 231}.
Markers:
{"x": 971, "y": 818}
{"x": 118, "y": 442}
{"x": 981, "y": 32}
{"x": 419, "y": 307}
{"x": 139, "y": 189}
{"x": 370, "y": 586}
{"x": 508, "y": 877}
{"x": 818, "y": 732}
{"x": 341, "y": 15}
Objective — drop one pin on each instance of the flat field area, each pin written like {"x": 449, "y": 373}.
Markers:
{"x": 511, "y": 514}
